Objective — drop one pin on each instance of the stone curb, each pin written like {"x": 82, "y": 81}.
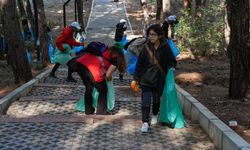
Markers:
{"x": 222, "y": 136}
{"x": 21, "y": 91}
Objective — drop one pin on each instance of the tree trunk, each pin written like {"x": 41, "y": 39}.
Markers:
{"x": 166, "y": 7}
{"x": 16, "y": 50}
{"x": 29, "y": 13}
{"x": 238, "y": 48}
{"x": 205, "y": 3}
{"x": 187, "y": 5}
{"x": 158, "y": 12}
{"x": 43, "y": 32}
{"x": 197, "y": 8}
{"x": 21, "y": 9}
{"x": 80, "y": 12}
{"x": 145, "y": 13}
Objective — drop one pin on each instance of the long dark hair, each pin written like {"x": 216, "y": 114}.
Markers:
{"x": 121, "y": 62}
{"x": 157, "y": 29}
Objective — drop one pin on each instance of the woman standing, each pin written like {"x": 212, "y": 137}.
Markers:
{"x": 150, "y": 72}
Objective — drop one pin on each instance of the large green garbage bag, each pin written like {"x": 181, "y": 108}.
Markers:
{"x": 80, "y": 105}
{"x": 62, "y": 57}
{"x": 170, "y": 108}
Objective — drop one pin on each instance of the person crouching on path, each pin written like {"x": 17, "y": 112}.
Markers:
{"x": 152, "y": 66}
{"x": 63, "y": 52}
{"x": 94, "y": 69}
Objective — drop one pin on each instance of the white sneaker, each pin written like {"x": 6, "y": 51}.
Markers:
{"x": 154, "y": 120}
{"x": 144, "y": 127}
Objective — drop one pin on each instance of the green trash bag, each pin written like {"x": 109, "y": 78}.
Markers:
{"x": 80, "y": 105}
{"x": 170, "y": 108}
{"x": 62, "y": 57}
{"x": 110, "y": 95}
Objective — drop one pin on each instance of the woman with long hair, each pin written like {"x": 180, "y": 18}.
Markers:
{"x": 152, "y": 66}
{"x": 94, "y": 70}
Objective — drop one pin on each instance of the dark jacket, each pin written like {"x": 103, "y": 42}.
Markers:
{"x": 165, "y": 59}
{"x": 119, "y": 32}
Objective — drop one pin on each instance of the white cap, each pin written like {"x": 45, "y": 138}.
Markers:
{"x": 76, "y": 25}
{"x": 171, "y": 18}
{"x": 123, "y": 20}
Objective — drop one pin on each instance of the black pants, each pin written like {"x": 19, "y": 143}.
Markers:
{"x": 148, "y": 95}
{"x": 89, "y": 83}
{"x": 57, "y": 65}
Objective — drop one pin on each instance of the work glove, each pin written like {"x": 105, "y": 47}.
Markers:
{"x": 134, "y": 86}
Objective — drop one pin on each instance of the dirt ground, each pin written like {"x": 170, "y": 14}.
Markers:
{"x": 205, "y": 78}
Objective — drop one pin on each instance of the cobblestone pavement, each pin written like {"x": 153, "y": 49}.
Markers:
{"x": 46, "y": 119}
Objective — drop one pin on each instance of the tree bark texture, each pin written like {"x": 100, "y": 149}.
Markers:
{"x": 197, "y": 8}
{"x": 145, "y": 13}
{"x": 187, "y": 4}
{"x": 29, "y": 13}
{"x": 21, "y": 9}
{"x": 239, "y": 47}
{"x": 43, "y": 32}
{"x": 16, "y": 49}
{"x": 166, "y": 7}
{"x": 158, "y": 12}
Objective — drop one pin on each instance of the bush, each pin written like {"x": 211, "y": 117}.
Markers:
{"x": 202, "y": 35}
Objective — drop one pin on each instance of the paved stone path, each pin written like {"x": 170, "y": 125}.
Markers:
{"x": 46, "y": 119}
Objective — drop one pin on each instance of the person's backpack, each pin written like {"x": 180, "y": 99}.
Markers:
{"x": 135, "y": 46}
{"x": 96, "y": 48}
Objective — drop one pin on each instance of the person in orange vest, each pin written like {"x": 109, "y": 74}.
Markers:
{"x": 63, "y": 52}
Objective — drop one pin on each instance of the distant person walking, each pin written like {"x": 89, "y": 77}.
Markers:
{"x": 63, "y": 52}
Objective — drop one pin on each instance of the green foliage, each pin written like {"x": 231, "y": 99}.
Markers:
{"x": 202, "y": 35}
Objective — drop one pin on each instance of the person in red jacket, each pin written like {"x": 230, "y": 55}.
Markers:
{"x": 95, "y": 70}
{"x": 64, "y": 44}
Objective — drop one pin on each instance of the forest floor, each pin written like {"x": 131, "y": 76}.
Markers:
{"x": 205, "y": 78}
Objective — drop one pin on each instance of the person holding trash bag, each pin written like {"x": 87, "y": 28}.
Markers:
{"x": 94, "y": 70}
{"x": 63, "y": 52}
{"x": 152, "y": 66}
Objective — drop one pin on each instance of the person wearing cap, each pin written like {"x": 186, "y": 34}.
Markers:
{"x": 168, "y": 25}
{"x": 94, "y": 70}
{"x": 63, "y": 52}
{"x": 121, "y": 27}
{"x": 120, "y": 36}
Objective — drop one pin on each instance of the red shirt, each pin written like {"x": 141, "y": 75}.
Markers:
{"x": 66, "y": 37}
{"x": 94, "y": 64}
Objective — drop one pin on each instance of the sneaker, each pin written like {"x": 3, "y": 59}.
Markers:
{"x": 154, "y": 120}
{"x": 71, "y": 79}
{"x": 144, "y": 127}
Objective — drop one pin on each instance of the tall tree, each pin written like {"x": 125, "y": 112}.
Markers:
{"x": 158, "y": 12}
{"x": 197, "y": 8}
{"x": 239, "y": 47}
{"x": 43, "y": 33}
{"x": 187, "y": 5}
{"x": 166, "y": 7}
{"x": 144, "y": 5}
{"x": 16, "y": 50}
{"x": 79, "y": 4}
{"x": 21, "y": 9}
{"x": 29, "y": 13}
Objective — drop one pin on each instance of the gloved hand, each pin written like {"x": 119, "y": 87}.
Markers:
{"x": 134, "y": 86}
{"x": 83, "y": 44}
